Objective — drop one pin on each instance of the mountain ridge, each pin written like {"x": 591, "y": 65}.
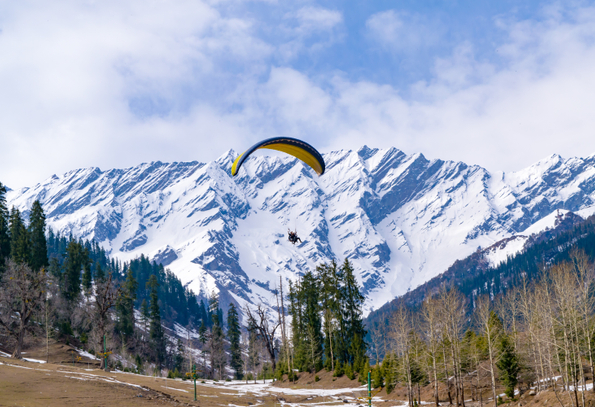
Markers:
{"x": 401, "y": 219}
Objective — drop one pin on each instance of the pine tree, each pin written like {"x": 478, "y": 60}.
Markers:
{"x": 377, "y": 377}
{"x": 508, "y": 364}
{"x": 55, "y": 268}
{"x": 4, "y": 231}
{"x": 87, "y": 278}
{"x": 297, "y": 325}
{"x": 202, "y": 333}
{"x": 312, "y": 323}
{"x": 156, "y": 331}
{"x": 233, "y": 333}
{"x": 76, "y": 258}
{"x": 39, "y": 249}
{"x": 328, "y": 278}
{"x": 144, "y": 311}
{"x": 179, "y": 358}
{"x": 193, "y": 309}
{"x": 203, "y": 338}
{"x": 99, "y": 273}
{"x": 352, "y": 303}
{"x": 20, "y": 248}
{"x": 217, "y": 343}
{"x": 204, "y": 315}
{"x": 388, "y": 371}
{"x": 125, "y": 308}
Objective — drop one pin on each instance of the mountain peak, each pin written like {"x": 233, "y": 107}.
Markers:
{"x": 400, "y": 219}
{"x": 225, "y": 160}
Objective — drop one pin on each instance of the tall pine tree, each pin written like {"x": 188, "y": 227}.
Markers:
{"x": 76, "y": 258}
{"x": 330, "y": 296}
{"x": 99, "y": 273}
{"x": 125, "y": 308}
{"x": 156, "y": 331}
{"x": 87, "y": 278}
{"x": 20, "y": 248}
{"x": 217, "y": 344}
{"x": 354, "y": 331}
{"x": 39, "y": 248}
{"x": 312, "y": 324}
{"x": 4, "y": 231}
{"x": 235, "y": 350}
{"x": 508, "y": 365}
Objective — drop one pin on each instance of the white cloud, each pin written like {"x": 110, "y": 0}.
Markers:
{"x": 120, "y": 83}
{"x": 115, "y": 83}
{"x": 537, "y": 102}
{"x": 401, "y": 31}
{"x": 317, "y": 19}
{"x": 310, "y": 29}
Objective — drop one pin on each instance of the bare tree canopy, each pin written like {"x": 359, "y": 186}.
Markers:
{"x": 22, "y": 295}
{"x": 260, "y": 323}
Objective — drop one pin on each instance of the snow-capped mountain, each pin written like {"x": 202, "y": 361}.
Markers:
{"x": 401, "y": 219}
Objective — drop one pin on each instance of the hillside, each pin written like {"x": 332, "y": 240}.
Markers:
{"x": 477, "y": 274}
{"x": 401, "y": 219}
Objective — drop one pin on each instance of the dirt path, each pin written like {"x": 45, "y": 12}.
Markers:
{"x": 35, "y": 384}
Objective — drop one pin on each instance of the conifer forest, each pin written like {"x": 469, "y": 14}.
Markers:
{"x": 483, "y": 338}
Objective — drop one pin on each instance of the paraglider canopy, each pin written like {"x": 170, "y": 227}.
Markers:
{"x": 297, "y": 148}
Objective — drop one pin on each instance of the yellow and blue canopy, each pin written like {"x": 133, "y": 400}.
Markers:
{"x": 297, "y": 148}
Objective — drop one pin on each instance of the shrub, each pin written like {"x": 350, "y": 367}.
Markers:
{"x": 338, "y": 369}
{"x": 316, "y": 378}
{"x": 349, "y": 371}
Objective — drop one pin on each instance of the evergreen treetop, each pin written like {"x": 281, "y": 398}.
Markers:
{"x": 39, "y": 248}
{"x": 234, "y": 334}
{"x": 20, "y": 248}
{"x": 4, "y": 230}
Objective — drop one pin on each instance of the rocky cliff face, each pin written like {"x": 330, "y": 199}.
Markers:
{"x": 401, "y": 219}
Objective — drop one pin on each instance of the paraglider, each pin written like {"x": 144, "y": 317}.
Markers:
{"x": 293, "y": 237}
{"x": 297, "y": 148}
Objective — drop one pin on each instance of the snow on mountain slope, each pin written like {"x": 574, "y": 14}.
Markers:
{"x": 401, "y": 219}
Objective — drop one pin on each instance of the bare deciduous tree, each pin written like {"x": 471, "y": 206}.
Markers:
{"x": 401, "y": 325}
{"x": 258, "y": 321}
{"x": 105, "y": 298}
{"x": 491, "y": 331}
{"x": 22, "y": 295}
{"x": 431, "y": 317}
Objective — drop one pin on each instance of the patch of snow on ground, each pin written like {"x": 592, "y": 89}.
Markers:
{"x": 34, "y": 360}
{"x": 86, "y": 354}
{"x": 25, "y": 359}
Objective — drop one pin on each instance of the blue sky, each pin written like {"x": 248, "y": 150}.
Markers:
{"x": 501, "y": 84}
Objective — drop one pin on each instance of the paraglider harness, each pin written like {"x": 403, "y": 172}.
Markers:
{"x": 293, "y": 237}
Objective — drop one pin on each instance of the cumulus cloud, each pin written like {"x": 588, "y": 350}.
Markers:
{"x": 115, "y": 83}
{"x": 119, "y": 83}
{"x": 534, "y": 102}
